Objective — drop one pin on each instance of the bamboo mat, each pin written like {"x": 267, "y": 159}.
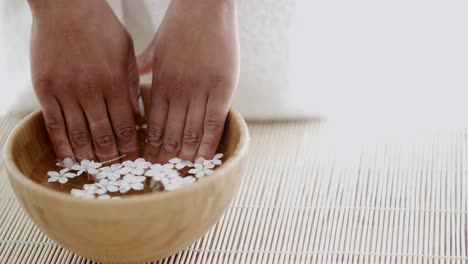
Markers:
{"x": 313, "y": 194}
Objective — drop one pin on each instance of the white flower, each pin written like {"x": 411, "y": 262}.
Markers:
{"x": 108, "y": 197}
{"x": 95, "y": 188}
{"x": 136, "y": 167}
{"x": 200, "y": 170}
{"x": 177, "y": 182}
{"x": 131, "y": 181}
{"x": 65, "y": 163}
{"x": 180, "y": 164}
{"x": 112, "y": 172}
{"x": 158, "y": 171}
{"x": 82, "y": 194}
{"x": 90, "y": 167}
{"x": 217, "y": 159}
{"x": 108, "y": 186}
{"x": 62, "y": 176}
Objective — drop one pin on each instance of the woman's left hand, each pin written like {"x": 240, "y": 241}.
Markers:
{"x": 194, "y": 58}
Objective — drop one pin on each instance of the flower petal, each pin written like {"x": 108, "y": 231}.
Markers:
{"x": 53, "y": 174}
{"x": 93, "y": 171}
{"x": 124, "y": 170}
{"x": 194, "y": 171}
{"x": 95, "y": 165}
{"x": 63, "y": 171}
{"x": 104, "y": 197}
{"x": 140, "y": 178}
{"x": 200, "y": 160}
{"x": 137, "y": 186}
{"x": 112, "y": 188}
{"x": 128, "y": 177}
{"x": 68, "y": 162}
{"x": 175, "y": 160}
{"x": 114, "y": 177}
{"x": 53, "y": 179}
{"x": 63, "y": 180}
{"x": 124, "y": 188}
{"x": 200, "y": 174}
{"x": 128, "y": 163}
{"x": 77, "y": 167}
{"x": 115, "y": 166}
{"x": 138, "y": 171}
{"x": 69, "y": 175}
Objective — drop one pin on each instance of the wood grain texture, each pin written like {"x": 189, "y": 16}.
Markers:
{"x": 137, "y": 228}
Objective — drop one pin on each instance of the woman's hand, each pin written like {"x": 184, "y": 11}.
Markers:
{"x": 195, "y": 62}
{"x": 85, "y": 75}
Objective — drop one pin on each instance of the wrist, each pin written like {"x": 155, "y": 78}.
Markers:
{"x": 209, "y": 5}
{"x": 65, "y": 8}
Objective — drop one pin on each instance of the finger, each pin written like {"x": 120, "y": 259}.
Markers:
{"x": 123, "y": 124}
{"x": 134, "y": 83}
{"x": 156, "y": 123}
{"x": 173, "y": 131}
{"x": 193, "y": 129}
{"x": 56, "y": 128}
{"x": 215, "y": 117}
{"x": 102, "y": 134}
{"x": 78, "y": 132}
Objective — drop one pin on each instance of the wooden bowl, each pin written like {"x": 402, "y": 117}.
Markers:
{"x": 137, "y": 228}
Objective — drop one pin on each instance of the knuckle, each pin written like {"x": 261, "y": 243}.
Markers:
{"x": 53, "y": 123}
{"x": 170, "y": 144}
{"x": 176, "y": 84}
{"x": 191, "y": 138}
{"x": 125, "y": 134}
{"x": 104, "y": 141}
{"x": 80, "y": 138}
{"x": 154, "y": 135}
{"x": 213, "y": 123}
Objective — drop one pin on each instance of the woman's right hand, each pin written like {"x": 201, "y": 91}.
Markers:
{"x": 85, "y": 77}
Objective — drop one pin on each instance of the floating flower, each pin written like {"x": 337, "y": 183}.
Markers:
{"x": 112, "y": 172}
{"x": 171, "y": 184}
{"x": 136, "y": 167}
{"x": 83, "y": 194}
{"x": 160, "y": 171}
{"x": 90, "y": 167}
{"x": 108, "y": 197}
{"x": 65, "y": 163}
{"x": 62, "y": 176}
{"x": 95, "y": 188}
{"x": 157, "y": 172}
{"x": 180, "y": 163}
{"x": 201, "y": 170}
{"x": 107, "y": 185}
{"x": 130, "y": 182}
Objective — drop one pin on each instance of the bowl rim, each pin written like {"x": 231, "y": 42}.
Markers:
{"x": 14, "y": 172}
